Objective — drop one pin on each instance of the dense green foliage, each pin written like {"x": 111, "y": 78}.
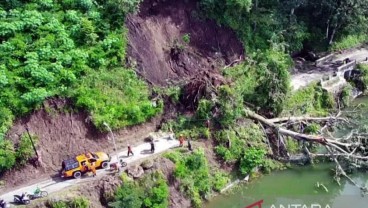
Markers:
{"x": 116, "y": 97}
{"x": 349, "y": 41}
{"x": 197, "y": 180}
{"x": 240, "y": 139}
{"x": 312, "y": 100}
{"x": 263, "y": 80}
{"x": 70, "y": 49}
{"x": 293, "y": 23}
{"x": 19, "y": 155}
{"x": 251, "y": 159}
{"x": 7, "y": 155}
{"x": 151, "y": 191}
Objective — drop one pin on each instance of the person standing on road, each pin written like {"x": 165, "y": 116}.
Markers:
{"x": 93, "y": 169}
{"x": 152, "y": 146}
{"x": 181, "y": 140}
{"x": 189, "y": 145}
{"x": 130, "y": 150}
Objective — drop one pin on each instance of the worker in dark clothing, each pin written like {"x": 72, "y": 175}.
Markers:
{"x": 189, "y": 145}
{"x": 208, "y": 123}
{"x": 228, "y": 143}
{"x": 130, "y": 150}
{"x": 152, "y": 146}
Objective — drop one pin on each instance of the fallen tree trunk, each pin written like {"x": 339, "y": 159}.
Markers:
{"x": 286, "y": 132}
{"x": 341, "y": 154}
{"x": 334, "y": 147}
{"x": 305, "y": 118}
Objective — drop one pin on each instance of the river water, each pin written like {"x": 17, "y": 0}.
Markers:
{"x": 297, "y": 186}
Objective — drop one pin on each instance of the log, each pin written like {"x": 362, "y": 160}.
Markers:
{"x": 286, "y": 132}
{"x": 298, "y": 136}
{"x": 341, "y": 154}
{"x": 304, "y": 118}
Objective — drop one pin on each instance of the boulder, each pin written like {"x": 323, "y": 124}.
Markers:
{"x": 147, "y": 164}
{"x": 135, "y": 172}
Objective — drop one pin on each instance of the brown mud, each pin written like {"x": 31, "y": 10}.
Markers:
{"x": 163, "y": 57}
{"x": 62, "y": 134}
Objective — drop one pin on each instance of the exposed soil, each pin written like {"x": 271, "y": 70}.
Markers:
{"x": 64, "y": 134}
{"x": 97, "y": 192}
{"x": 176, "y": 198}
{"x": 156, "y": 41}
{"x": 163, "y": 57}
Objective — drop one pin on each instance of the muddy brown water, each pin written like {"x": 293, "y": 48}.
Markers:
{"x": 297, "y": 187}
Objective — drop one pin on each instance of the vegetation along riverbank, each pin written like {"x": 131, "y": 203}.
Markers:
{"x": 227, "y": 76}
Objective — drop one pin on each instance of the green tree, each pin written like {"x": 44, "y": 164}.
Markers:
{"x": 7, "y": 155}
{"x": 274, "y": 80}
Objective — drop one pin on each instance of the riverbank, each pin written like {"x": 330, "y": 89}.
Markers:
{"x": 299, "y": 184}
{"x": 296, "y": 185}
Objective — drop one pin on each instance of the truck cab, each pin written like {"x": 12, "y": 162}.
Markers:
{"x": 80, "y": 164}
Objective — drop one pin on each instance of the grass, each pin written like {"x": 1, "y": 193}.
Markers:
{"x": 312, "y": 100}
{"x": 349, "y": 41}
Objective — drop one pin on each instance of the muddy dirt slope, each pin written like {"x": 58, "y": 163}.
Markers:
{"x": 63, "y": 134}
{"x": 156, "y": 41}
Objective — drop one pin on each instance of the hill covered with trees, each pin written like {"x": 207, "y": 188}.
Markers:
{"x": 79, "y": 50}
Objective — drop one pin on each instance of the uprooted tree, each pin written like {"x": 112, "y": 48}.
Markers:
{"x": 351, "y": 151}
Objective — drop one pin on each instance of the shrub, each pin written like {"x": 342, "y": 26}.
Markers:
{"x": 299, "y": 102}
{"x": 109, "y": 100}
{"x": 262, "y": 81}
{"x": 349, "y": 41}
{"x": 345, "y": 96}
{"x": 312, "y": 128}
{"x": 186, "y": 38}
{"x": 7, "y": 155}
{"x": 220, "y": 180}
{"x": 240, "y": 138}
{"x": 24, "y": 150}
{"x": 269, "y": 165}
{"x": 251, "y": 159}
{"x": 196, "y": 178}
{"x": 292, "y": 145}
{"x": 128, "y": 195}
{"x": 58, "y": 204}
{"x": 150, "y": 191}
{"x": 79, "y": 202}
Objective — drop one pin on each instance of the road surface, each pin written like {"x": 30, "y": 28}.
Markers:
{"x": 141, "y": 151}
{"x": 163, "y": 143}
{"x": 300, "y": 80}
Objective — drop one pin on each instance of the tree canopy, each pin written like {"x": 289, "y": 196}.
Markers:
{"x": 73, "y": 49}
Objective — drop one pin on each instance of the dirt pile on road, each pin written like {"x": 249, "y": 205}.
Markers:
{"x": 170, "y": 41}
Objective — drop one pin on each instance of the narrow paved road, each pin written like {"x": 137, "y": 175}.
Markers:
{"x": 163, "y": 144}
{"x": 141, "y": 151}
{"x": 300, "y": 80}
